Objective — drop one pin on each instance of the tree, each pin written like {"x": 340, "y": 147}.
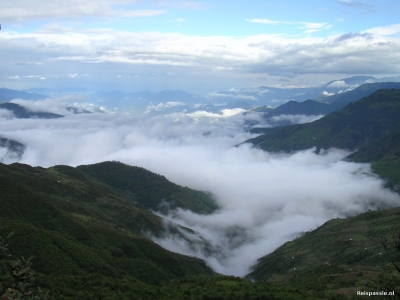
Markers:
{"x": 17, "y": 277}
{"x": 389, "y": 277}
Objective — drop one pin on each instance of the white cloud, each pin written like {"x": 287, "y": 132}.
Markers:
{"x": 225, "y": 113}
{"x": 384, "y": 30}
{"x": 22, "y": 10}
{"x": 265, "y": 198}
{"x": 52, "y": 105}
{"x": 161, "y": 106}
{"x": 6, "y": 114}
{"x": 296, "y": 119}
{"x": 315, "y": 27}
{"x": 244, "y": 60}
{"x": 267, "y": 21}
{"x": 338, "y": 84}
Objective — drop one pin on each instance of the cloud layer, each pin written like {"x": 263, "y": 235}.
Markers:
{"x": 124, "y": 57}
{"x": 265, "y": 199}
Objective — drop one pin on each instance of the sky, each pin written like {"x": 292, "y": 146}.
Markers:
{"x": 196, "y": 46}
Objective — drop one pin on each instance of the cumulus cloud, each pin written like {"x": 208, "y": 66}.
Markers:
{"x": 225, "y": 113}
{"x": 265, "y": 199}
{"x": 191, "y": 57}
{"x": 385, "y": 30}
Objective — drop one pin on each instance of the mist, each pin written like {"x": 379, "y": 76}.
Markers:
{"x": 265, "y": 199}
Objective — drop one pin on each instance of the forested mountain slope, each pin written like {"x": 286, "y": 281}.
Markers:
{"x": 76, "y": 226}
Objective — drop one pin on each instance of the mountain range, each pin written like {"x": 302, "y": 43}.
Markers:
{"x": 369, "y": 127}
{"x": 21, "y": 112}
{"x": 171, "y": 101}
{"x": 87, "y": 227}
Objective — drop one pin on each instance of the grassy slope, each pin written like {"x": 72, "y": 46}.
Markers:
{"x": 76, "y": 226}
{"x": 341, "y": 254}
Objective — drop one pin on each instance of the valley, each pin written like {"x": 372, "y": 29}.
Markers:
{"x": 245, "y": 203}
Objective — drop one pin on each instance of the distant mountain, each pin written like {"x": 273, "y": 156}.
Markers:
{"x": 308, "y": 107}
{"x": 176, "y": 101}
{"x": 360, "y": 92}
{"x": 371, "y": 126}
{"x": 355, "y": 80}
{"x": 353, "y": 127}
{"x": 7, "y": 95}
{"x": 23, "y": 113}
{"x": 271, "y": 96}
{"x": 144, "y": 99}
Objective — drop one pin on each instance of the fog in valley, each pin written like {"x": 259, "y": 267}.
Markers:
{"x": 265, "y": 199}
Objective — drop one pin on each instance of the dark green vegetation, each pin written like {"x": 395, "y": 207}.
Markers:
{"x": 76, "y": 227}
{"x": 370, "y": 125}
{"x": 148, "y": 189}
{"x": 385, "y": 157}
{"x": 84, "y": 231}
{"x": 23, "y": 113}
{"x": 16, "y": 276}
{"x": 342, "y": 255}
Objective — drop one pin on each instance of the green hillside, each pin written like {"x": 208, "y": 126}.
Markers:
{"x": 371, "y": 126}
{"x": 342, "y": 255}
{"x": 308, "y": 107}
{"x": 86, "y": 239}
{"x": 357, "y": 125}
{"x": 385, "y": 157}
{"x": 362, "y": 91}
{"x": 148, "y": 189}
{"x": 75, "y": 227}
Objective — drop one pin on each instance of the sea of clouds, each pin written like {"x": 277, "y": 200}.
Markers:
{"x": 265, "y": 199}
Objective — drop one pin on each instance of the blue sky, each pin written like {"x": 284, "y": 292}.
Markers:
{"x": 195, "y": 45}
